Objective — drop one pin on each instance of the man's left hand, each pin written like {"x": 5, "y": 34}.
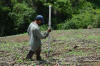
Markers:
{"x": 49, "y": 30}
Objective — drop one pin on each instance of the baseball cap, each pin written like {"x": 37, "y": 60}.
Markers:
{"x": 40, "y": 17}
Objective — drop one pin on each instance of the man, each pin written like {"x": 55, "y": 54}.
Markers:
{"x": 35, "y": 37}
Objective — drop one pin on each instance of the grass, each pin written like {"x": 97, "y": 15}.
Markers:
{"x": 11, "y": 46}
{"x": 93, "y": 37}
{"x": 79, "y": 53}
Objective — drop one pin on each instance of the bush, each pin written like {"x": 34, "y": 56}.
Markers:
{"x": 44, "y": 27}
{"x": 60, "y": 26}
{"x": 96, "y": 23}
{"x": 81, "y": 20}
{"x": 86, "y": 19}
{"x": 21, "y": 16}
{"x": 5, "y": 21}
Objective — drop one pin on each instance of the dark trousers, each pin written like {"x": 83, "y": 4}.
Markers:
{"x": 37, "y": 52}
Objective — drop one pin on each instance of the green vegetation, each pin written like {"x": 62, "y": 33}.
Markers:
{"x": 21, "y": 14}
{"x": 61, "y": 47}
{"x": 79, "y": 53}
{"x": 12, "y": 46}
{"x": 66, "y": 14}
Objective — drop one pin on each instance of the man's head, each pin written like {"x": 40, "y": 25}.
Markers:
{"x": 39, "y": 19}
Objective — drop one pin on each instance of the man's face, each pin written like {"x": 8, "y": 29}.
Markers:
{"x": 38, "y": 22}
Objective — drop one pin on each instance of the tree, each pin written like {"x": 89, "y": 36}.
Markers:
{"x": 5, "y": 21}
{"x": 21, "y": 16}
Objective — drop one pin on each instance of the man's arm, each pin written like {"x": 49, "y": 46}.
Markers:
{"x": 40, "y": 35}
{"x": 28, "y": 30}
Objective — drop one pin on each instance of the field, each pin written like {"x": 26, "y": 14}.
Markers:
{"x": 68, "y": 48}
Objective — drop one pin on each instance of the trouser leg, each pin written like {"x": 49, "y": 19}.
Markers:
{"x": 38, "y": 57}
{"x": 30, "y": 54}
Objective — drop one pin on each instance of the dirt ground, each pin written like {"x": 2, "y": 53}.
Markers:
{"x": 68, "y": 48}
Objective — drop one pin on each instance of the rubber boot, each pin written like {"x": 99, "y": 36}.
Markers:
{"x": 29, "y": 55}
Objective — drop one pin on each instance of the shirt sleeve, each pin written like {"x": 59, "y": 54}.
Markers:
{"x": 28, "y": 30}
{"x": 41, "y": 35}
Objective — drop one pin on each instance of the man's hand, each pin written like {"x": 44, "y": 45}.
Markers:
{"x": 49, "y": 30}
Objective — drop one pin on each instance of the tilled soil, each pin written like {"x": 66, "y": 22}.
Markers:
{"x": 62, "y": 43}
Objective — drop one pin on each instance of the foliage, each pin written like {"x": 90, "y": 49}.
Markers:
{"x": 60, "y": 26}
{"x": 82, "y": 20}
{"x": 15, "y": 15}
{"x": 5, "y": 21}
{"x": 97, "y": 21}
{"x": 21, "y": 15}
{"x": 43, "y": 27}
{"x": 79, "y": 21}
{"x": 96, "y": 2}
{"x": 63, "y": 7}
